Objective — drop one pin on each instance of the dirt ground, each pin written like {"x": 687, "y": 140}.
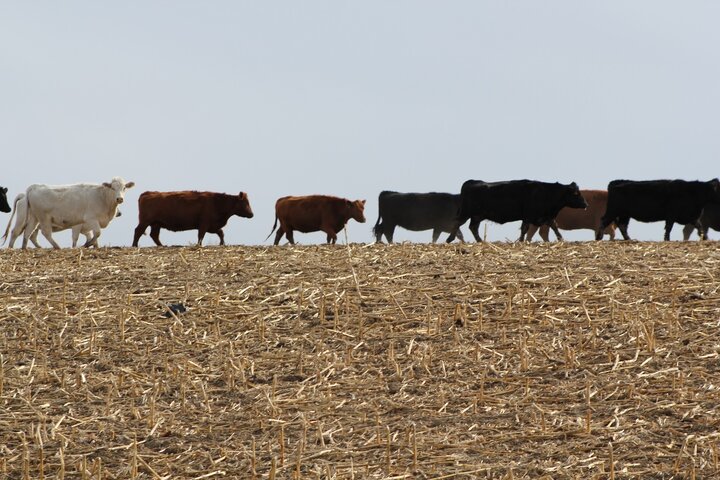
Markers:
{"x": 561, "y": 360}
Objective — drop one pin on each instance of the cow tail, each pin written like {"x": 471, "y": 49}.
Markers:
{"x": 12, "y": 215}
{"x": 273, "y": 229}
{"x": 376, "y": 228}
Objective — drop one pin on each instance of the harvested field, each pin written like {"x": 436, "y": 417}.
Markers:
{"x": 563, "y": 360}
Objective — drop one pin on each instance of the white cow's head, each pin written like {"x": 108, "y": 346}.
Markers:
{"x": 118, "y": 186}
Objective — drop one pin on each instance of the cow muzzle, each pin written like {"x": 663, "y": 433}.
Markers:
{"x": 120, "y": 200}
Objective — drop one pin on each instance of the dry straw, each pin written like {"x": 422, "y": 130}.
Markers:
{"x": 565, "y": 360}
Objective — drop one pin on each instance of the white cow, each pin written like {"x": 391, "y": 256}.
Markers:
{"x": 92, "y": 206}
{"x": 20, "y": 208}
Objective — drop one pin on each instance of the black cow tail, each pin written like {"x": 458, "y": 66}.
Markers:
{"x": 376, "y": 228}
{"x": 12, "y": 215}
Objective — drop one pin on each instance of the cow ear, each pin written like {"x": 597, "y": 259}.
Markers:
{"x": 129, "y": 184}
{"x": 106, "y": 184}
{"x": 363, "y": 202}
{"x": 4, "y": 189}
{"x": 241, "y": 194}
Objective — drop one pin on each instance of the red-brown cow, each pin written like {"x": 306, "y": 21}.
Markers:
{"x": 189, "y": 210}
{"x": 314, "y": 213}
{"x": 577, "y": 219}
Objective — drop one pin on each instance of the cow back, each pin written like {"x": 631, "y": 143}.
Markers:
{"x": 419, "y": 211}
{"x": 309, "y": 213}
{"x": 659, "y": 200}
{"x": 68, "y": 205}
{"x": 527, "y": 200}
{"x": 186, "y": 210}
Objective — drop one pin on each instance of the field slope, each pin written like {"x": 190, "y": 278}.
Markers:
{"x": 563, "y": 360}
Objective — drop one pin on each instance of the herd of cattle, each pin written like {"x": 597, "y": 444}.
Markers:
{"x": 88, "y": 208}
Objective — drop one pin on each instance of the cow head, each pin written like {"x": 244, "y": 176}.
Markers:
{"x": 242, "y": 206}
{"x": 118, "y": 186}
{"x": 573, "y": 197}
{"x": 356, "y": 210}
{"x": 4, "y": 207}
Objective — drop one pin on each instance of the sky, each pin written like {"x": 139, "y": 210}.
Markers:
{"x": 352, "y": 98}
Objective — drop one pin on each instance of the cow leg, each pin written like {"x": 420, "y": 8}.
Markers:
{"x": 201, "y": 235}
{"x": 389, "y": 232}
{"x": 331, "y": 236}
{"x": 75, "y": 235}
{"x": 544, "y": 233}
{"x": 454, "y": 230}
{"x": 555, "y": 229}
{"x": 96, "y": 230}
{"x": 92, "y": 242}
{"x": 278, "y": 235}
{"x": 610, "y": 230}
{"x": 290, "y": 236}
{"x": 668, "y": 229}
{"x": 47, "y": 233}
{"x": 436, "y": 234}
{"x": 460, "y": 236}
{"x": 26, "y": 236}
{"x": 702, "y": 231}
{"x": 688, "y": 230}
{"x": 155, "y": 234}
{"x": 474, "y": 229}
{"x": 221, "y": 235}
{"x": 604, "y": 222}
{"x": 623, "y": 226}
{"x": 611, "y": 233}
{"x": 15, "y": 233}
{"x": 13, "y": 237}
{"x": 139, "y": 231}
{"x": 453, "y": 234}
{"x": 530, "y": 233}
{"x": 523, "y": 230}
{"x": 29, "y": 232}
{"x": 46, "y": 229}
{"x": 33, "y": 238}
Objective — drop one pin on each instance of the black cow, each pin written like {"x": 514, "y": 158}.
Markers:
{"x": 710, "y": 218}
{"x": 532, "y": 202}
{"x": 4, "y": 207}
{"x": 671, "y": 201}
{"x": 416, "y": 212}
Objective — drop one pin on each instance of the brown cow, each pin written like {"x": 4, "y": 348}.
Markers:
{"x": 189, "y": 210}
{"x": 576, "y": 219}
{"x": 314, "y": 213}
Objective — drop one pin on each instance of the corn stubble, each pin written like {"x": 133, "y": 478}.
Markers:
{"x": 565, "y": 360}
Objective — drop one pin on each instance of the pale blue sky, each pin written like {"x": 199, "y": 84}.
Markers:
{"x": 351, "y": 98}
